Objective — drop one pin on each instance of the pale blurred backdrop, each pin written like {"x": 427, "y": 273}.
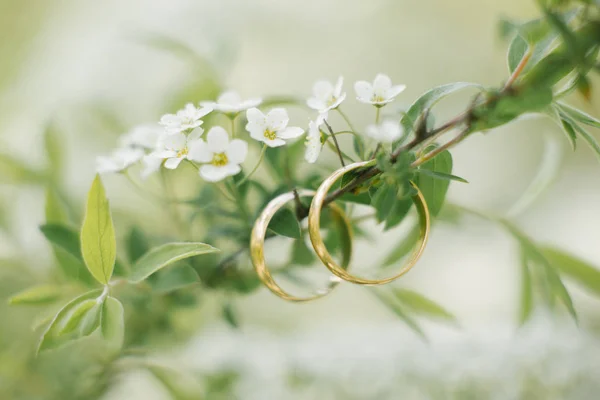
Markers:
{"x": 60, "y": 58}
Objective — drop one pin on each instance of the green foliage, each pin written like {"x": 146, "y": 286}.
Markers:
{"x": 428, "y": 99}
{"x": 285, "y": 223}
{"x": 98, "y": 244}
{"x": 36, "y": 295}
{"x": 575, "y": 269}
{"x": 15, "y": 171}
{"x": 52, "y": 336}
{"x": 516, "y": 51}
{"x": 400, "y": 310}
{"x": 113, "y": 323}
{"x": 178, "y": 276}
{"x": 434, "y": 189}
{"x": 165, "y": 255}
{"x": 533, "y": 257}
{"x": 421, "y": 305}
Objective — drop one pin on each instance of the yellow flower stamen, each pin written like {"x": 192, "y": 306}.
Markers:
{"x": 182, "y": 152}
{"x": 219, "y": 160}
{"x": 269, "y": 134}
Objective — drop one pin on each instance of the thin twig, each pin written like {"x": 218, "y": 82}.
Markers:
{"x": 337, "y": 145}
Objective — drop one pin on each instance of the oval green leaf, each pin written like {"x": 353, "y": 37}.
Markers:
{"x": 36, "y": 295}
{"x": 162, "y": 256}
{"x": 113, "y": 323}
{"x": 98, "y": 244}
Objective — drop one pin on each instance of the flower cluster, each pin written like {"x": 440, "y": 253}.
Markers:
{"x": 218, "y": 154}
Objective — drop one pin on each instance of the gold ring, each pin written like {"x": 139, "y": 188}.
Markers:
{"x": 314, "y": 226}
{"x": 257, "y": 246}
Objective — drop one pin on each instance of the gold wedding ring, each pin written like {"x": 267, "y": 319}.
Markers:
{"x": 314, "y": 226}
{"x": 257, "y": 246}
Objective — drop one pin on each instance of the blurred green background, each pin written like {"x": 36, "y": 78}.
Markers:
{"x": 94, "y": 70}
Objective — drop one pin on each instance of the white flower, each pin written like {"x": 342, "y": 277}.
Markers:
{"x": 326, "y": 96}
{"x": 221, "y": 157}
{"x": 119, "y": 160}
{"x": 379, "y": 93}
{"x": 185, "y": 119}
{"x": 230, "y": 102}
{"x": 142, "y": 136}
{"x": 152, "y": 163}
{"x": 313, "y": 141}
{"x": 386, "y": 132}
{"x": 272, "y": 128}
{"x": 176, "y": 148}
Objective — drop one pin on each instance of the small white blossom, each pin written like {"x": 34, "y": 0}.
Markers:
{"x": 386, "y": 132}
{"x": 272, "y": 128}
{"x": 313, "y": 141}
{"x": 221, "y": 157}
{"x": 175, "y": 148}
{"x": 142, "y": 136}
{"x": 326, "y": 96}
{"x": 152, "y": 163}
{"x": 185, "y": 119}
{"x": 379, "y": 93}
{"x": 119, "y": 160}
{"x": 230, "y": 102}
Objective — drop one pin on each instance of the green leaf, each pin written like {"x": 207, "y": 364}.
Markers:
{"x": 98, "y": 244}
{"x": 36, "y": 295}
{"x": 174, "y": 278}
{"x": 531, "y": 252}
{"x": 434, "y": 190}
{"x": 15, "y": 171}
{"x": 403, "y": 248}
{"x": 301, "y": 254}
{"x": 56, "y": 212}
{"x": 584, "y": 274}
{"x": 112, "y": 324}
{"x": 361, "y": 198}
{"x": 230, "y": 315}
{"x": 137, "y": 244}
{"x": 517, "y": 49}
{"x": 64, "y": 237}
{"x": 91, "y": 320}
{"x": 53, "y": 144}
{"x": 526, "y": 301}
{"x": 180, "y": 384}
{"x": 420, "y": 304}
{"x": 441, "y": 175}
{"x": 162, "y": 256}
{"x": 359, "y": 146}
{"x": 50, "y": 338}
{"x": 383, "y": 201}
{"x": 285, "y": 223}
{"x": 400, "y": 311}
{"x": 585, "y": 135}
{"x": 398, "y": 212}
{"x": 579, "y": 115}
{"x": 567, "y": 128}
{"x": 429, "y": 99}
{"x": 77, "y": 315}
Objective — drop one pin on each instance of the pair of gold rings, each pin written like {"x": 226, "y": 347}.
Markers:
{"x": 339, "y": 271}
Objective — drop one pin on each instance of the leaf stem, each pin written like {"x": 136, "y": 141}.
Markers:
{"x": 345, "y": 117}
{"x": 337, "y": 145}
{"x": 260, "y": 158}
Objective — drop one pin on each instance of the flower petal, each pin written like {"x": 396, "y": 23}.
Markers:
{"x": 316, "y": 104}
{"x": 169, "y": 119}
{"x": 175, "y": 142}
{"x": 237, "y": 151}
{"x": 382, "y": 83}
{"x": 275, "y": 142}
{"x": 255, "y": 117}
{"x": 394, "y": 91}
{"x": 173, "y": 163}
{"x": 277, "y": 119}
{"x": 229, "y": 98}
{"x": 323, "y": 90}
{"x": 217, "y": 139}
{"x": 195, "y": 134}
{"x": 364, "y": 90}
{"x": 212, "y": 173}
{"x": 337, "y": 91}
{"x": 152, "y": 163}
{"x": 200, "y": 152}
{"x": 290, "y": 132}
